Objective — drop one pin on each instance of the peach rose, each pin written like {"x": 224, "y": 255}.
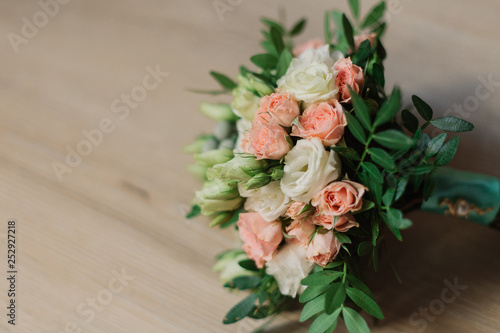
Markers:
{"x": 339, "y": 198}
{"x": 261, "y": 238}
{"x": 323, "y": 248}
{"x": 282, "y": 108}
{"x": 343, "y": 224}
{"x": 323, "y": 121}
{"x": 348, "y": 75}
{"x": 362, "y": 37}
{"x": 302, "y": 230}
{"x": 295, "y": 209}
{"x": 315, "y": 43}
{"x": 266, "y": 140}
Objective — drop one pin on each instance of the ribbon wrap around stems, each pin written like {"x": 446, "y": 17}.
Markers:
{"x": 466, "y": 195}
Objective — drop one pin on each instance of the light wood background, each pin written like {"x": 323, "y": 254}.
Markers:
{"x": 122, "y": 208}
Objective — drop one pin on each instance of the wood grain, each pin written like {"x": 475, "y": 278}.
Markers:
{"x": 120, "y": 211}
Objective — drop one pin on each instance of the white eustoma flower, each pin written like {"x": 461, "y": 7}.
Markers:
{"x": 289, "y": 266}
{"x": 311, "y": 76}
{"x": 308, "y": 169}
{"x": 242, "y": 126}
{"x": 267, "y": 200}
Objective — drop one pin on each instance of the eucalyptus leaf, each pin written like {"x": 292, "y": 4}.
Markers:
{"x": 382, "y": 158}
{"x": 324, "y": 322}
{"x": 360, "y": 109}
{"x": 320, "y": 278}
{"x": 265, "y": 61}
{"x": 354, "y": 322}
{"x": 313, "y": 307}
{"x": 447, "y": 153}
{"x": 409, "y": 121}
{"x": 373, "y": 171}
{"x": 423, "y": 108}
{"x": 298, "y": 27}
{"x": 312, "y": 292}
{"x": 355, "y": 128}
{"x": 452, "y": 124}
{"x": 393, "y": 139}
{"x": 335, "y": 297}
{"x": 375, "y": 15}
{"x": 435, "y": 145}
{"x": 241, "y": 310}
{"x": 389, "y": 108}
{"x": 365, "y": 302}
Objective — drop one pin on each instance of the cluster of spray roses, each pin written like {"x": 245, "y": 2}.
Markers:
{"x": 294, "y": 127}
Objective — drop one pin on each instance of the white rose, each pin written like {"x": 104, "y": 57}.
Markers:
{"x": 311, "y": 76}
{"x": 289, "y": 266}
{"x": 267, "y": 200}
{"x": 308, "y": 169}
{"x": 245, "y": 103}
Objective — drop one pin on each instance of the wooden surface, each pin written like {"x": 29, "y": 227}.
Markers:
{"x": 121, "y": 209}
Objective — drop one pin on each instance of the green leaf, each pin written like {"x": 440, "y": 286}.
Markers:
{"x": 347, "y": 152}
{"x": 244, "y": 282}
{"x": 210, "y": 92}
{"x": 233, "y": 219}
{"x": 388, "y": 196}
{"x": 313, "y": 307}
{"x": 452, "y": 124}
{"x": 367, "y": 205}
{"x": 269, "y": 47}
{"x": 396, "y": 219}
{"x": 409, "y": 121}
{"x": 375, "y": 15}
{"x": 378, "y": 74}
{"x": 447, "y": 153}
{"x": 364, "y": 248}
{"x": 382, "y": 158}
{"x": 298, "y": 27}
{"x": 223, "y": 80}
{"x": 261, "y": 312}
{"x": 335, "y": 297}
{"x": 360, "y": 285}
{"x": 321, "y": 278}
{"x": 365, "y": 302}
{"x": 283, "y": 63}
{"x": 249, "y": 265}
{"x": 195, "y": 211}
{"x": 265, "y": 61}
{"x": 354, "y": 322}
{"x": 354, "y": 5}
{"x": 334, "y": 264}
{"x": 434, "y": 145}
{"x": 273, "y": 24}
{"x": 362, "y": 54}
{"x": 241, "y": 310}
{"x": 373, "y": 171}
{"x": 360, "y": 109}
{"x": 348, "y": 31}
{"x": 277, "y": 40}
{"x": 312, "y": 292}
{"x": 325, "y": 322}
{"x": 402, "y": 183}
{"x": 355, "y": 128}
{"x": 343, "y": 238}
{"x": 389, "y": 108}
{"x": 420, "y": 169}
{"x": 423, "y": 108}
{"x": 393, "y": 139}
{"x": 393, "y": 228}
{"x": 327, "y": 26}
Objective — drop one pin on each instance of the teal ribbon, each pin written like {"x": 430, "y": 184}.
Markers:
{"x": 479, "y": 190}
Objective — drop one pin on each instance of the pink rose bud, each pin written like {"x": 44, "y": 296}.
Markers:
{"x": 343, "y": 223}
{"x": 339, "y": 198}
{"x": 323, "y": 248}
{"x": 362, "y": 37}
{"x": 323, "y": 121}
{"x": 302, "y": 230}
{"x": 266, "y": 141}
{"x": 261, "y": 238}
{"x": 295, "y": 211}
{"x": 348, "y": 75}
{"x": 315, "y": 43}
{"x": 282, "y": 108}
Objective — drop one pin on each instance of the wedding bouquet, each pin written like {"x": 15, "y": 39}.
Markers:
{"x": 310, "y": 163}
